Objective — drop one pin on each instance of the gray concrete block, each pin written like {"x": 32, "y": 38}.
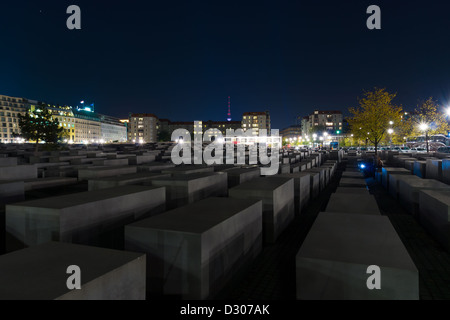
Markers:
{"x": 393, "y": 183}
{"x": 408, "y": 192}
{"x": 302, "y": 189}
{"x": 40, "y": 273}
{"x": 353, "y": 203}
{"x": 188, "y": 188}
{"x": 352, "y": 190}
{"x": 308, "y": 164}
{"x": 101, "y": 172}
{"x": 277, "y": 195}
{"x": 434, "y": 214}
{"x": 92, "y": 217}
{"x": 420, "y": 169}
{"x": 155, "y": 166}
{"x": 322, "y": 176}
{"x": 11, "y": 191}
{"x": 236, "y": 176}
{"x": 20, "y": 172}
{"x": 122, "y": 180}
{"x": 446, "y": 171}
{"x": 141, "y": 159}
{"x": 8, "y": 162}
{"x": 333, "y": 260}
{"x": 188, "y": 169}
{"x": 352, "y": 182}
{"x": 194, "y": 250}
{"x": 386, "y": 171}
{"x": 352, "y": 175}
{"x": 42, "y": 183}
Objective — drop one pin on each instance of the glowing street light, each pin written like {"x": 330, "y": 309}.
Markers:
{"x": 447, "y": 111}
{"x": 390, "y": 131}
{"x": 424, "y": 127}
{"x": 391, "y": 122}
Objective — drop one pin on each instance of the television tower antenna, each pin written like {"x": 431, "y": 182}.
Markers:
{"x": 229, "y": 109}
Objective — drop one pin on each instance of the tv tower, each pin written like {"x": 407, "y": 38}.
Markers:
{"x": 229, "y": 109}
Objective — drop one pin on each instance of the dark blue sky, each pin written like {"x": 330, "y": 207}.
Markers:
{"x": 181, "y": 59}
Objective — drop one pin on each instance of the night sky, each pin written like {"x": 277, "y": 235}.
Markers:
{"x": 181, "y": 59}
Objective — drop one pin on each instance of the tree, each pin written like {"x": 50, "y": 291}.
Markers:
{"x": 371, "y": 120}
{"x": 39, "y": 125}
{"x": 429, "y": 119}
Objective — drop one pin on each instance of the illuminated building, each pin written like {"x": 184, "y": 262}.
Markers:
{"x": 256, "y": 121}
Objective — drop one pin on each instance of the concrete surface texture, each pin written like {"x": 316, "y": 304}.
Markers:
{"x": 193, "y": 250}
{"x": 333, "y": 260}
{"x": 40, "y": 273}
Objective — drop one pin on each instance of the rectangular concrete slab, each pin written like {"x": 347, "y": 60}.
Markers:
{"x": 352, "y": 182}
{"x": 353, "y": 203}
{"x": 236, "y": 176}
{"x": 434, "y": 215}
{"x": 188, "y": 188}
{"x": 93, "y": 217}
{"x": 101, "y": 172}
{"x": 333, "y": 260}
{"x": 125, "y": 179}
{"x": 394, "y": 180}
{"x": 194, "y": 250}
{"x": 40, "y": 273}
{"x": 420, "y": 169}
{"x": 20, "y": 172}
{"x": 446, "y": 171}
{"x": 188, "y": 169}
{"x": 302, "y": 189}
{"x": 386, "y": 171}
{"x": 408, "y": 192}
{"x": 352, "y": 190}
{"x": 11, "y": 191}
{"x": 42, "y": 183}
{"x": 277, "y": 195}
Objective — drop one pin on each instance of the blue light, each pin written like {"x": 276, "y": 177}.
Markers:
{"x": 362, "y": 166}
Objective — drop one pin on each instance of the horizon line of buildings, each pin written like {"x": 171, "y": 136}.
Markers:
{"x": 330, "y": 121}
{"x": 145, "y": 127}
{"x": 83, "y": 125}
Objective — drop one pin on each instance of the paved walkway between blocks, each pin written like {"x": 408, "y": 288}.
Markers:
{"x": 272, "y": 275}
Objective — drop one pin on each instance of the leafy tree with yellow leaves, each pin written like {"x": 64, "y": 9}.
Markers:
{"x": 371, "y": 120}
{"x": 429, "y": 118}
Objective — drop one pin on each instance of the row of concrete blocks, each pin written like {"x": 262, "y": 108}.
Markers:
{"x": 345, "y": 241}
{"x": 426, "y": 199}
{"x": 61, "y": 218}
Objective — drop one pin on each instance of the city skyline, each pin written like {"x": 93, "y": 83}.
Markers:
{"x": 183, "y": 61}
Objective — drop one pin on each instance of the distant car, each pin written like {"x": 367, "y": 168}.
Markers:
{"x": 419, "y": 150}
{"x": 352, "y": 149}
{"x": 405, "y": 149}
{"x": 443, "y": 150}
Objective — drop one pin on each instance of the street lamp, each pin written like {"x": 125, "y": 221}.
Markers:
{"x": 447, "y": 111}
{"x": 390, "y": 132}
{"x": 424, "y": 127}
